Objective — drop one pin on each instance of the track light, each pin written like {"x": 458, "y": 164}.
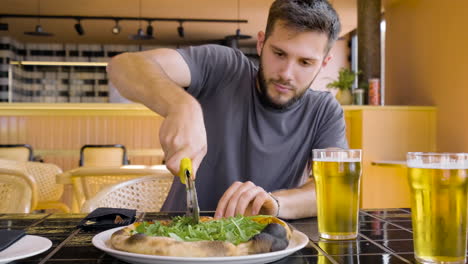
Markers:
{"x": 140, "y": 32}
{"x": 238, "y": 35}
{"x": 39, "y": 32}
{"x": 149, "y": 29}
{"x": 116, "y": 29}
{"x": 79, "y": 28}
{"x": 3, "y": 26}
{"x": 140, "y": 35}
{"x": 180, "y": 30}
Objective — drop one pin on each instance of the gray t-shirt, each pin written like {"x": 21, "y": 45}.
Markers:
{"x": 248, "y": 141}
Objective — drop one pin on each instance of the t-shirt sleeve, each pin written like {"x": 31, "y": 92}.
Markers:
{"x": 332, "y": 129}
{"x": 211, "y": 66}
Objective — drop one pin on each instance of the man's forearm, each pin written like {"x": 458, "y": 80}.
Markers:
{"x": 299, "y": 202}
{"x": 143, "y": 80}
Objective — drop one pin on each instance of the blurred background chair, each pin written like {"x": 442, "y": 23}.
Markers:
{"x": 18, "y": 191}
{"x": 19, "y": 152}
{"x": 87, "y": 182}
{"x": 145, "y": 194}
{"x": 42, "y": 177}
{"x": 103, "y": 155}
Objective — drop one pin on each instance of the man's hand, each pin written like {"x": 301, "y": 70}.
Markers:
{"x": 245, "y": 199}
{"x": 183, "y": 135}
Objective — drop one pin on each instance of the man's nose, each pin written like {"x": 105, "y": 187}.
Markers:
{"x": 286, "y": 71}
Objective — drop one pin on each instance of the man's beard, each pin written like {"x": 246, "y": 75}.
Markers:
{"x": 267, "y": 100}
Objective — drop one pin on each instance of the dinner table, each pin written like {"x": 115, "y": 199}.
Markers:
{"x": 385, "y": 237}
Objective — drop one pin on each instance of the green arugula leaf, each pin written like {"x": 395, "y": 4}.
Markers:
{"x": 236, "y": 230}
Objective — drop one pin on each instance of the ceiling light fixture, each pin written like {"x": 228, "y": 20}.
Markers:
{"x": 3, "y": 26}
{"x": 233, "y": 40}
{"x": 238, "y": 35}
{"x": 39, "y": 31}
{"x": 79, "y": 28}
{"x": 180, "y": 30}
{"x": 165, "y": 19}
{"x": 116, "y": 29}
{"x": 140, "y": 35}
{"x": 149, "y": 29}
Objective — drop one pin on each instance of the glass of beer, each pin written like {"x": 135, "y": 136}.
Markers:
{"x": 439, "y": 184}
{"x": 340, "y": 251}
{"x": 337, "y": 174}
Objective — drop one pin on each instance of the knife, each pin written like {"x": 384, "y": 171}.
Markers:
{"x": 192, "y": 199}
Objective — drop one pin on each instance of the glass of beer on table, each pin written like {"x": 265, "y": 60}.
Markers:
{"x": 439, "y": 184}
{"x": 337, "y": 174}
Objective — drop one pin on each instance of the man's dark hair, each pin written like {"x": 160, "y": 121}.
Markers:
{"x": 305, "y": 15}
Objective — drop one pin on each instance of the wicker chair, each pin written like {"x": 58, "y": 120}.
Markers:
{"x": 19, "y": 152}
{"x": 18, "y": 191}
{"x": 145, "y": 194}
{"x": 87, "y": 182}
{"x": 103, "y": 155}
{"x": 45, "y": 188}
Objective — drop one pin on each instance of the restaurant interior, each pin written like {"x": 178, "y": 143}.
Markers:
{"x": 70, "y": 143}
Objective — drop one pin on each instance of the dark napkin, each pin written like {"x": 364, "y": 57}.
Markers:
{"x": 103, "y": 218}
{"x": 8, "y": 237}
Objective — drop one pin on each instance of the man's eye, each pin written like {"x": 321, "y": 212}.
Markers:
{"x": 306, "y": 63}
{"x": 279, "y": 54}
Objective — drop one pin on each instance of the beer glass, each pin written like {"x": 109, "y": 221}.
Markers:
{"x": 337, "y": 174}
{"x": 340, "y": 251}
{"x": 438, "y": 183}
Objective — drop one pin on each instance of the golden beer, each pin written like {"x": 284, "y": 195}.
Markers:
{"x": 439, "y": 211}
{"x": 337, "y": 190}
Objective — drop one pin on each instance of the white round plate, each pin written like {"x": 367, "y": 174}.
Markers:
{"x": 26, "y": 247}
{"x": 102, "y": 241}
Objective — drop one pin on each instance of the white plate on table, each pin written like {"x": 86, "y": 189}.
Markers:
{"x": 26, "y": 247}
{"x": 102, "y": 241}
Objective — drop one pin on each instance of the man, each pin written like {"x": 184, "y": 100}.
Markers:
{"x": 249, "y": 131}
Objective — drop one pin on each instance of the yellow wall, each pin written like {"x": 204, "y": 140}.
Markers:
{"x": 427, "y": 63}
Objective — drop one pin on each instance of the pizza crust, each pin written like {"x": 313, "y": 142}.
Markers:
{"x": 166, "y": 246}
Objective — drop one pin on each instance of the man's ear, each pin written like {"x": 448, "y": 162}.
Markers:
{"x": 260, "y": 42}
{"x": 326, "y": 60}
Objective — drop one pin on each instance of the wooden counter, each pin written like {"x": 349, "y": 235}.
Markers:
{"x": 387, "y": 134}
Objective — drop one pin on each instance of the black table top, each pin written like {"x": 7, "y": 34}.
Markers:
{"x": 385, "y": 236}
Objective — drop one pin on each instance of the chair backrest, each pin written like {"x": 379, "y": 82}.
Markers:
{"x": 103, "y": 155}
{"x": 18, "y": 189}
{"x": 145, "y": 194}
{"x": 88, "y": 181}
{"x": 14, "y": 188}
{"x": 43, "y": 174}
{"x": 19, "y": 152}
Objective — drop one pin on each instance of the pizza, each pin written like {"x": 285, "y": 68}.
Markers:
{"x": 233, "y": 236}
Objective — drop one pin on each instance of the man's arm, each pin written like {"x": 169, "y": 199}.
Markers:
{"x": 150, "y": 76}
{"x": 155, "y": 78}
{"x": 299, "y": 202}
{"x": 248, "y": 199}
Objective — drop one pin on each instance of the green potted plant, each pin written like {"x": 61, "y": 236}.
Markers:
{"x": 344, "y": 83}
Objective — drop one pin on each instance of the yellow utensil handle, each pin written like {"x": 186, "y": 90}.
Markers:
{"x": 185, "y": 165}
